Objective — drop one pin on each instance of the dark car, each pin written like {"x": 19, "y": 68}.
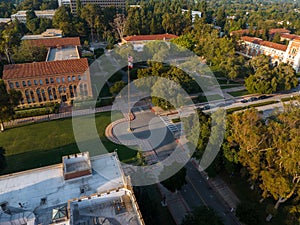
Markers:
{"x": 206, "y": 107}
{"x": 252, "y": 99}
{"x": 263, "y": 97}
{"x": 244, "y": 101}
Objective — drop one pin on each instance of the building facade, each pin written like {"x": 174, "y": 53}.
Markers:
{"x": 21, "y": 15}
{"x": 251, "y": 46}
{"x": 119, "y": 4}
{"x": 53, "y": 81}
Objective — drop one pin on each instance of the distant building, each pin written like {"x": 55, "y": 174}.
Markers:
{"x": 194, "y": 13}
{"x": 49, "y": 33}
{"x": 5, "y": 20}
{"x": 119, "y": 4}
{"x": 251, "y": 46}
{"x": 80, "y": 190}
{"x": 21, "y": 15}
{"x": 53, "y": 81}
{"x": 139, "y": 41}
{"x": 272, "y": 32}
{"x": 63, "y": 2}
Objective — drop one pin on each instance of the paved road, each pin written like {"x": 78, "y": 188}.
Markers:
{"x": 197, "y": 192}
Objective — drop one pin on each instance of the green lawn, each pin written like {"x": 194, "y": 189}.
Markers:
{"x": 238, "y": 93}
{"x": 42, "y": 144}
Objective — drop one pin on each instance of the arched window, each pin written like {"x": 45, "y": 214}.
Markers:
{"x": 58, "y": 80}
{"x": 63, "y": 79}
{"x": 54, "y": 93}
{"x": 27, "y": 97}
{"x": 71, "y": 91}
{"x": 38, "y": 93}
{"x": 24, "y": 83}
{"x": 51, "y": 80}
{"x": 75, "y": 90}
{"x": 69, "y": 79}
{"x": 11, "y": 85}
{"x": 32, "y": 96}
{"x": 47, "y": 81}
{"x": 60, "y": 89}
{"x": 29, "y": 83}
{"x": 73, "y": 78}
{"x": 41, "y": 82}
{"x": 17, "y": 84}
{"x": 50, "y": 94}
{"x": 79, "y": 77}
{"x": 35, "y": 82}
{"x": 44, "y": 95}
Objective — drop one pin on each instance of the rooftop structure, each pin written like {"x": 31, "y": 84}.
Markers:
{"x": 49, "y": 33}
{"x": 138, "y": 41}
{"x": 52, "y": 195}
{"x": 63, "y": 53}
{"x": 21, "y": 15}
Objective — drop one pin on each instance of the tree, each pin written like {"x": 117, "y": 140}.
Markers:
{"x": 90, "y": 14}
{"x": 247, "y": 213}
{"x": 28, "y": 53}
{"x": 8, "y": 100}
{"x": 117, "y": 87}
{"x": 62, "y": 20}
{"x": 269, "y": 151}
{"x": 202, "y": 216}
{"x": 119, "y": 25}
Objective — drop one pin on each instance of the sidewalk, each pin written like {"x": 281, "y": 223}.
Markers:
{"x": 175, "y": 203}
{"x": 219, "y": 186}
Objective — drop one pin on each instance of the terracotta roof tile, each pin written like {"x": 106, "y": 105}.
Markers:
{"x": 290, "y": 36}
{"x": 55, "y": 42}
{"x": 152, "y": 37}
{"x": 271, "y": 31}
{"x": 45, "y": 68}
{"x": 264, "y": 43}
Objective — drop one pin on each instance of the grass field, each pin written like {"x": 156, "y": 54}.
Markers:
{"x": 42, "y": 144}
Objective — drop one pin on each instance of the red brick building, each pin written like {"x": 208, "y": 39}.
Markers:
{"x": 52, "y": 81}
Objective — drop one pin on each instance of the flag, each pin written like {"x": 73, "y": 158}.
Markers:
{"x": 130, "y": 62}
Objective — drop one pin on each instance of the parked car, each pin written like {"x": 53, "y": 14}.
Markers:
{"x": 206, "y": 107}
{"x": 263, "y": 97}
{"x": 244, "y": 101}
{"x": 252, "y": 99}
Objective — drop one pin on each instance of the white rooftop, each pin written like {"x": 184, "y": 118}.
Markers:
{"x": 25, "y": 190}
{"x": 116, "y": 207}
{"x": 64, "y": 53}
{"x": 5, "y": 20}
{"x": 37, "y": 12}
{"x": 49, "y": 33}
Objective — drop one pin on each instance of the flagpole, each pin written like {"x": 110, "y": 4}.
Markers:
{"x": 129, "y": 111}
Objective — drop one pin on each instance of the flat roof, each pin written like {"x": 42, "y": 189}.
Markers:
{"x": 28, "y": 188}
{"x": 63, "y": 53}
{"x": 37, "y": 12}
{"x": 116, "y": 207}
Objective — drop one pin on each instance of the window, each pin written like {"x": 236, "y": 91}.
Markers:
{"x": 41, "y": 82}
{"x": 35, "y": 82}
{"x": 84, "y": 77}
{"x": 58, "y": 80}
{"x": 51, "y": 80}
{"x": 47, "y": 81}
{"x": 73, "y": 78}
{"x": 69, "y": 79}
{"x": 29, "y": 83}
{"x": 79, "y": 77}
{"x": 63, "y": 79}
{"x": 24, "y": 83}
{"x": 17, "y": 84}
{"x": 11, "y": 85}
